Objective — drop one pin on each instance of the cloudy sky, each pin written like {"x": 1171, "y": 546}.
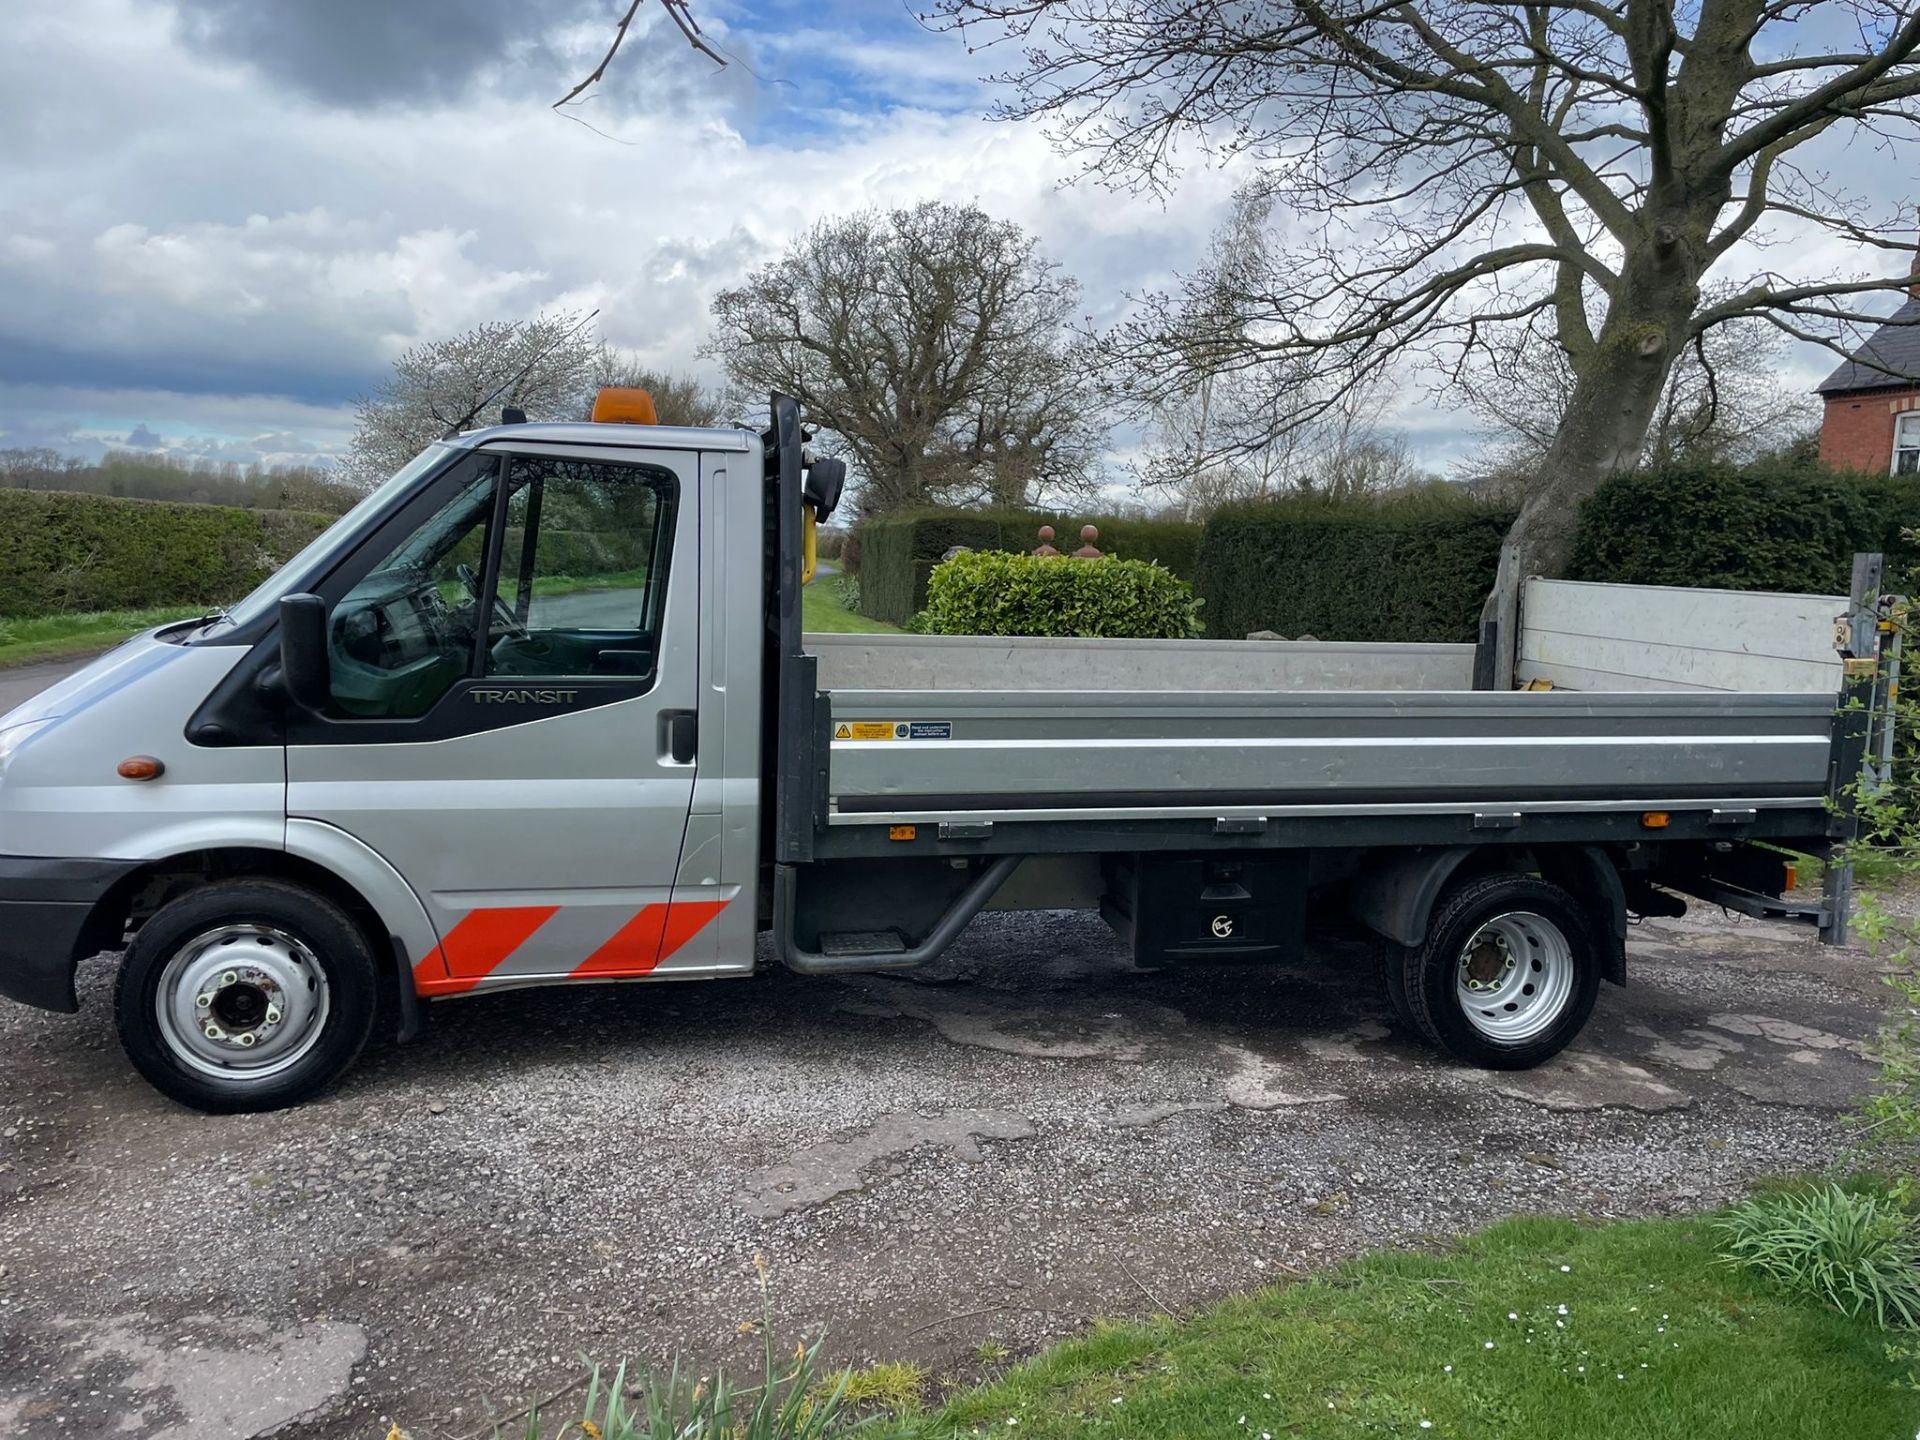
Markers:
{"x": 220, "y": 220}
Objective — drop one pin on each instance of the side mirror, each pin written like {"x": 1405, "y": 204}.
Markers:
{"x": 303, "y": 650}
{"x": 821, "y": 489}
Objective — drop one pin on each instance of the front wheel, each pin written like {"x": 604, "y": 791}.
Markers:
{"x": 246, "y": 995}
{"x": 1508, "y": 973}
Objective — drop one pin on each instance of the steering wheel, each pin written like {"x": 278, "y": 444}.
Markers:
{"x": 502, "y": 612}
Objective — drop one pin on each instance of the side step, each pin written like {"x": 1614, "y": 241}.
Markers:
{"x": 844, "y": 943}
{"x": 845, "y": 952}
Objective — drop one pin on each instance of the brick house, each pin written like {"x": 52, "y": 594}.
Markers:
{"x": 1872, "y": 420}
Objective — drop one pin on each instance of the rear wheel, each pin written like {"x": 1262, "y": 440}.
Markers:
{"x": 246, "y": 995}
{"x": 1508, "y": 973}
{"x": 1389, "y": 968}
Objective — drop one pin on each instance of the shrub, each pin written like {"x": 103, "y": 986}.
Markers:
{"x": 895, "y": 554}
{"x": 992, "y": 592}
{"x": 70, "y": 551}
{"x": 1412, "y": 567}
{"x": 1858, "y": 1252}
{"x": 1769, "y": 528}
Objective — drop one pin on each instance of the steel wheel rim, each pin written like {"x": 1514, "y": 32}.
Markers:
{"x": 1514, "y": 977}
{"x": 242, "y": 1003}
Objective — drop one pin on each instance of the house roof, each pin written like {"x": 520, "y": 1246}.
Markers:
{"x": 1891, "y": 356}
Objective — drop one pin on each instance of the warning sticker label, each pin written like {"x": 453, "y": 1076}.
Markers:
{"x": 893, "y": 730}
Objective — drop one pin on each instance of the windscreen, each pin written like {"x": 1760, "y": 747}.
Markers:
{"x": 340, "y": 535}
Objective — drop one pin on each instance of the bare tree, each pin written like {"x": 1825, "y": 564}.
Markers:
{"x": 1209, "y": 430}
{"x": 541, "y": 366}
{"x": 1222, "y": 431}
{"x": 1344, "y": 451}
{"x": 37, "y": 467}
{"x": 1726, "y": 398}
{"x": 934, "y": 343}
{"x": 1457, "y": 164}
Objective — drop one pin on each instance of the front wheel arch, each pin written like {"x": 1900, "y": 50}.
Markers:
{"x": 136, "y": 896}
{"x": 287, "y": 994}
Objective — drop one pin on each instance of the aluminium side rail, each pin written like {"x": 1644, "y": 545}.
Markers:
{"x": 998, "y": 755}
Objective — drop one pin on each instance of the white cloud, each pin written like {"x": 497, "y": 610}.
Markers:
{"x": 210, "y": 232}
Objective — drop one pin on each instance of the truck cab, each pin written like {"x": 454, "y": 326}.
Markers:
{"x": 499, "y": 726}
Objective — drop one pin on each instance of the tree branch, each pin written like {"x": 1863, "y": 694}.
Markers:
{"x": 677, "y": 11}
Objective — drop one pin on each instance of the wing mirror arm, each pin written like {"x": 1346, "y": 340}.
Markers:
{"x": 304, "y": 669}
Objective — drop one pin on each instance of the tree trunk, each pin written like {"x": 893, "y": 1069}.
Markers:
{"x": 1617, "y": 392}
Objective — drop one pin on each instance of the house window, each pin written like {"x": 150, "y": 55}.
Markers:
{"x": 1906, "y": 443}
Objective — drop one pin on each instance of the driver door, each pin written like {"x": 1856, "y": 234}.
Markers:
{"x": 514, "y": 684}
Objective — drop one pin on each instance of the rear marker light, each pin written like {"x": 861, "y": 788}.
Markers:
{"x": 140, "y": 767}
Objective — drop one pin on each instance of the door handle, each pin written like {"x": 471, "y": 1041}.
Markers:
{"x": 680, "y": 729}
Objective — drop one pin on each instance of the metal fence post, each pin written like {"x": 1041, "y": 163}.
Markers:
{"x": 1869, "y": 654}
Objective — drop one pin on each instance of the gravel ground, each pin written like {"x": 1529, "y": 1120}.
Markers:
{"x": 1035, "y": 1137}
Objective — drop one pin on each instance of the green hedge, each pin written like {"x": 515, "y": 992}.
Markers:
{"x": 996, "y": 592}
{"x": 895, "y": 554}
{"x": 1417, "y": 566}
{"x": 71, "y": 551}
{"x": 1716, "y": 526}
{"x": 1767, "y": 528}
{"x": 1412, "y": 567}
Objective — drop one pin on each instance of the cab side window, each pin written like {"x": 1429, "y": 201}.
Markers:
{"x": 583, "y": 568}
{"x": 401, "y": 637}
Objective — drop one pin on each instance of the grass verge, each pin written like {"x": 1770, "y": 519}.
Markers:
{"x": 56, "y": 637}
{"x": 1535, "y": 1328}
{"x": 821, "y": 610}
{"x": 1655, "y": 1340}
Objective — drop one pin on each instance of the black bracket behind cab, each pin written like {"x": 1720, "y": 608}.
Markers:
{"x": 795, "y": 747}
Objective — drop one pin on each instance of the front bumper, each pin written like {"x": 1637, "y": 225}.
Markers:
{"x": 45, "y": 909}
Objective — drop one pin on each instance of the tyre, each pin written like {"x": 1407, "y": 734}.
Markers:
{"x": 1389, "y": 967}
{"x": 246, "y": 995}
{"x": 1508, "y": 973}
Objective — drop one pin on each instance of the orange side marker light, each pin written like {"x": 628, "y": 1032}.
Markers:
{"x": 1656, "y": 819}
{"x": 140, "y": 767}
{"x": 902, "y": 832}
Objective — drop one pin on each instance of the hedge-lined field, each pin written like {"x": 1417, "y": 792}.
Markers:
{"x": 67, "y": 551}
{"x": 1408, "y": 567}
{"x": 896, "y": 553}
{"x": 1418, "y": 566}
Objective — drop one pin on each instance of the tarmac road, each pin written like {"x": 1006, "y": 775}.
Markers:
{"x": 20, "y": 683}
{"x": 1034, "y": 1137}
